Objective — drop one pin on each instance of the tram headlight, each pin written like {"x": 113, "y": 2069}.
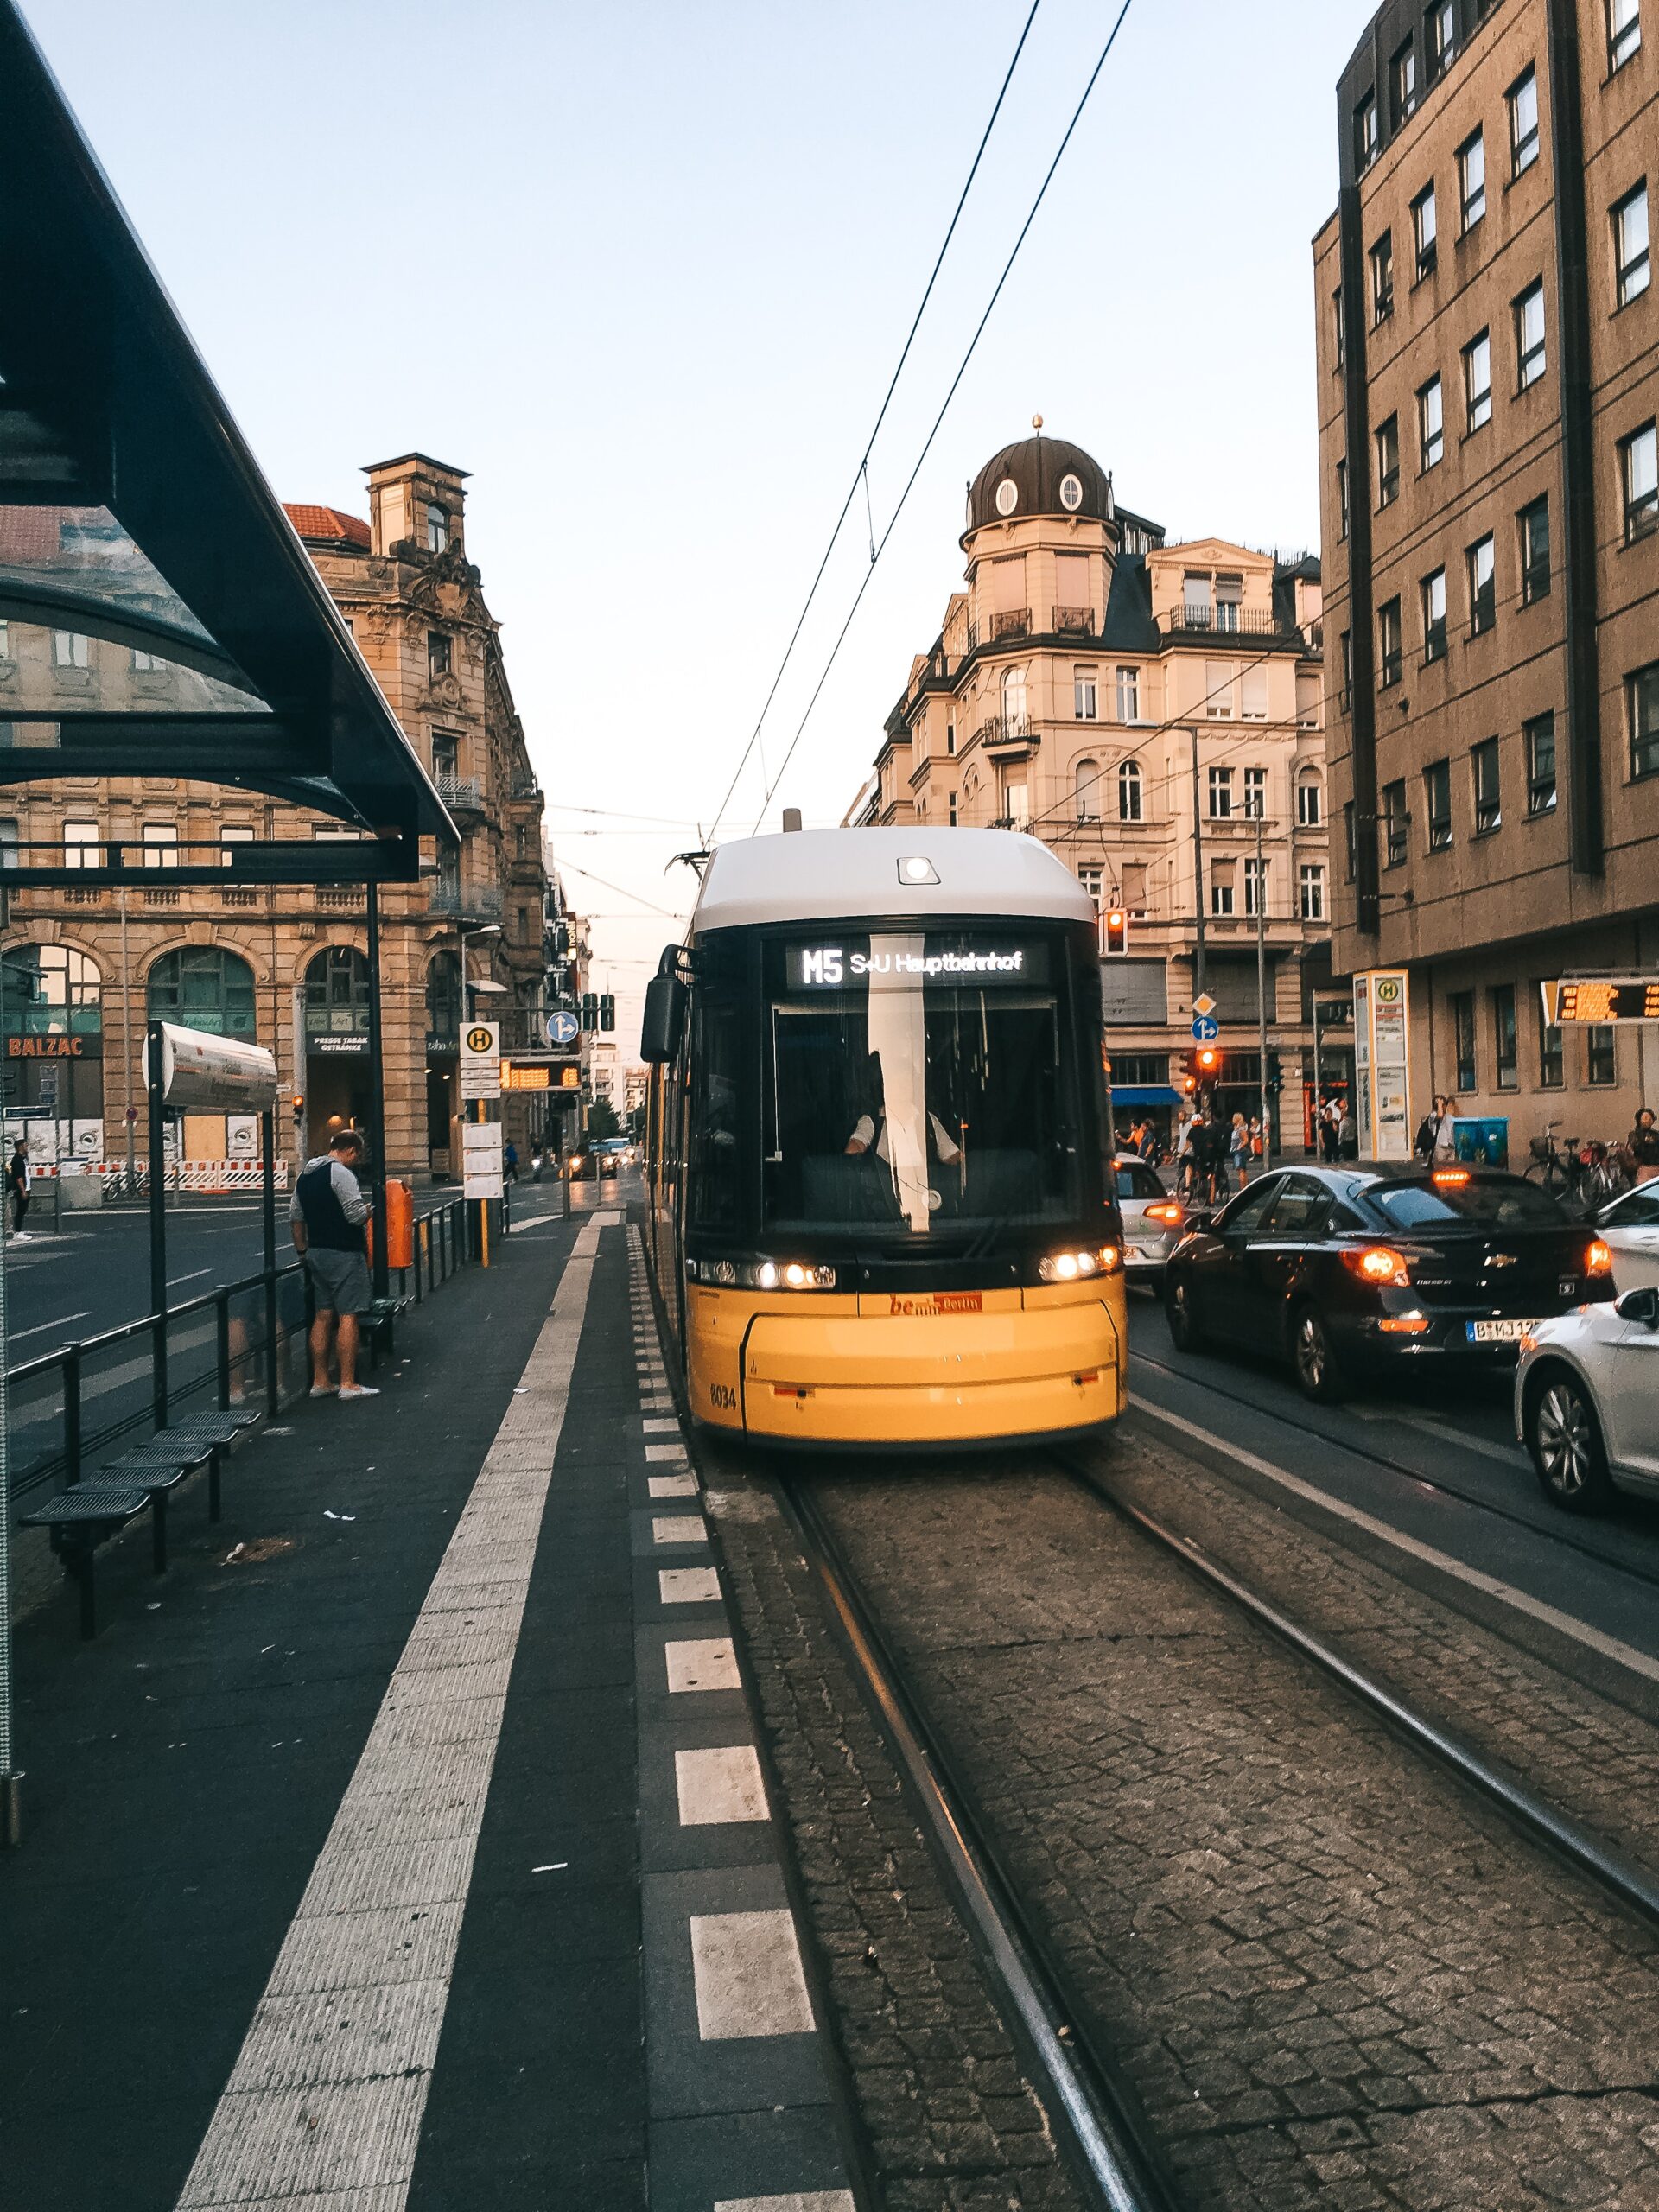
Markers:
{"x": 1079, "y": 1266}
{"x": 787, "y": 1274}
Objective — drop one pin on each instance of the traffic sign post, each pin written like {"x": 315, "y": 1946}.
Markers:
{"x": 563, "y": 1027}
{"x": 481, "y": 1081}
{"x": 1206, "y": 1029}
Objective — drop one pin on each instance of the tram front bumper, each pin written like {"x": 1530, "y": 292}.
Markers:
{"x": 1036, "y": 1369}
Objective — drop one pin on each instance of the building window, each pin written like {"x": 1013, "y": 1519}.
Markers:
{"x": 1221, "y": 794}
{"x": 1396, "y": 824}
{"x": 1440, "y": 39}
{"x": 1424, "y": 232}
{"x": 1313, "y": 891}
{"x": 1253, "y": 695}
{"x": 160, "y": 844}
{"x": 5, "y": 638}
{"x": 1014, "y": 701}
{"x": 1388, "y": 643}
{"x": 1524, "y": 122}
{"x": 1529, "y": 335}
{"x": 1642, "y": 691}
{"x": 1462, "y": 1004}
{"x": 1092, "y": 876}
{"x": 143, "y": 664}
{"x": 1477, "y": 382}
{"x": 201, "y": 987}
{"x": 1437, "y": 801}
{"x": 1489, "y": 808}
{"x": 1256, "y": 887}
{"x": 1342, "y": 499}
{"x": 1307, "y": 700}
{"x": 437, "y": 530}
{"x": 80, "y": 847}
{"x": 1341, "y": 335}
{"x": 1624, "y": 32}
{"x": 1388, "y": 460}
{"x": 1403, "y": 85}
{"x": 950, "y": 740}
{"x": 1539, "y": 736}
{"x": 1503, "y": 1036}
{"x": 1218, "y": 690}
{"x": 1533, "y": 527}
{"x": 1552, "y": 1057}
{"x": 1128, "y": 791}
{"x": 1084, "y": 694}
{"x": 1128, "y": 695}
{"x": 1349, "y": 838}
{"x": 1482, "y": 588}
{"x": 1310, "y": 803}
{"x": 1221, "y": 887}
{"x": 1431, "y": 426}
{"x": 1433, "y": 596}
{"x": 1088, "y": 790}
{"x": 1631, "y": 266}
{"x": 1365, "y": 133}
{"x": 1255, "y": 794}
{"x": 333, "y": 833}
{"x": 70, "y": 649}
{"x": 1472, "y": 181}
{"x": 231, "y": 835}
{"x": 1229, "y": 600}
{"x": 1382, "y": 279}
{"x": 950, "y": 809}
{"x": 437, "y": 654}
{"x": 1346, "y": 694}
{"x": 1638, "y": 476}
{"x": 1600, "y": 1055}
{"x": 9, "y": 833}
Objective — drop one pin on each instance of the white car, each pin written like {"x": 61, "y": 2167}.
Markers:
{"x": 1586, "y": 1402}
{"x": 1630, "y": 1223}
{"x": 1153, "y": 1222}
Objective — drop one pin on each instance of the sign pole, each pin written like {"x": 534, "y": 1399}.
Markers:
{"x": 268, "y": 1192}
{"x": 11, "y": 1782}
{"x": 155, "y": 1084}
{"x": 1261, "y": 997}
{"x": 377, "y": 1105}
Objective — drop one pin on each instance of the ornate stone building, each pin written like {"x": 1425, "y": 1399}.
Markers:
{"x": 1092, "y": 685}
{"x": 84, "y": 969}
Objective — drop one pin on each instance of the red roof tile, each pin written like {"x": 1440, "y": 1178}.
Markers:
{"x": 327, "y": 525}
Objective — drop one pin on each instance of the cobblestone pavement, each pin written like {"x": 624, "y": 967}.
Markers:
{"x": 951, "y": 2122}
{"x": 1336, "y": 1980}
{"x": 1591, "y": 1756}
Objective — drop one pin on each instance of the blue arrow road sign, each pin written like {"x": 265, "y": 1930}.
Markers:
{"x": 1206, "y": 1029}
{"x": 562, "y": 1029}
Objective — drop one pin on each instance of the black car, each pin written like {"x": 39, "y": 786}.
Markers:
{"x": 1339, "y": 1270}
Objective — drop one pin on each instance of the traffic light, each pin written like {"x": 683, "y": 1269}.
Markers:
{"x": 298, "y": 1104}
{"x": 1275, "y": 1074}
{"x": 1189, "y": 1082}
{"x": 1115, "y": 932}
{"x": 589, "y": 1010}
{"x": 607, "y": 1011}
{"x": 1207, "y": 1063}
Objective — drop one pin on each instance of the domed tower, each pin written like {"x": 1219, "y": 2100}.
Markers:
{"x": 1042, "y": 535}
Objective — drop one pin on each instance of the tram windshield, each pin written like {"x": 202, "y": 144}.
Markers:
{"x": 915, "y": 1083}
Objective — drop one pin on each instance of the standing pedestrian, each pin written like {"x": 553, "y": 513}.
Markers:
{"x": 326, "y": 1221}
{"x": 1643, "y": 1145}
{"x": 510, "y": 1162}
{"x": 1185, "y": 1166}
{"x": 17, "y": 1186}
{"x": 1239, "y": 1148}
{"x": 1347, "y": 1134}
{"x": 1446, "y": 1133}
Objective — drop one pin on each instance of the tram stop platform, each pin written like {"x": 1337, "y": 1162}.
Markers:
{"x": 429, "y": 1836}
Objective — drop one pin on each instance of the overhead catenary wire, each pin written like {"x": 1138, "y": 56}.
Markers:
{"x": 860, "y": 473}
{"x": 927, "y": 445}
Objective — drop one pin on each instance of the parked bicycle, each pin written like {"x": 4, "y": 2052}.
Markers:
{"x": 1584, "y": 1171}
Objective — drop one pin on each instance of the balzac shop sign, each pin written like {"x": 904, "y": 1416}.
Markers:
{"x": 46, "y": 1048}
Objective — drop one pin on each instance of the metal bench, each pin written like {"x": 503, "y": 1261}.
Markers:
{"x": 222, "y": 1431}
{"x": 156, "y": 1468}
{"x": 379, "y": 1319}
{"x": 81, "y": 1519}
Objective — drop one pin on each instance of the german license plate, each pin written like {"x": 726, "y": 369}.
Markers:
{"x": 1497, "y": 1333}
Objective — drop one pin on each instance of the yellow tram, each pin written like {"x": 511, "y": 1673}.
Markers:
{"x": 878, "y": 1141}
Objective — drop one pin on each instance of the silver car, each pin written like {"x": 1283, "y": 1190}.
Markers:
{"x": 1587, "y": 1401}
{"x": 1153, "y": 1222}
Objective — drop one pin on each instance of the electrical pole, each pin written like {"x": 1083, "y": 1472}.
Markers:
{"x": 1261, "y": 993}
{"x": 1198, "y": 866}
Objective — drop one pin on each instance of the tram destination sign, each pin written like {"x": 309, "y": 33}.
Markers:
{"x": 1602, "y": 999}
{"x": 977, "y": 962}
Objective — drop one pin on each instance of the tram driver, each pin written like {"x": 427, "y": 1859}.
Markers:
{"x": 870, "y": 1130}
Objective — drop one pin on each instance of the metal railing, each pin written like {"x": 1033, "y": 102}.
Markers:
{"x": 461, "y": 790}
{"x": 1074, "y": 621}
{"x": 1223, "y": 621}
{"x": 466, "y": 903}
{"x": 1006, "y": 729}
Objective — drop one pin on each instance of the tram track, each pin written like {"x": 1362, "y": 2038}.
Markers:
{"x": 1069, "y": 2043}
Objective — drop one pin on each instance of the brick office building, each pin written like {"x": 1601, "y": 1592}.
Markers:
{"x": 1488, "y": 379}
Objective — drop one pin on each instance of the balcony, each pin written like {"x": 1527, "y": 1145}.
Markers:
{"x": 470, "y": 905}
{"x": 1073, "y": 621}
{"x": 460, "y": 794}
{"x": 1227, "y": 621}
{"x": 1005, "y": 730}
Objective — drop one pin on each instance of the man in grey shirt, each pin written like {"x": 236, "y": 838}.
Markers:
{"x": 326, "y": 1221}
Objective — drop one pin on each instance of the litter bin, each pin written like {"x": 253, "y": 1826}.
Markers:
{"x": 400, "y": 1225}
{"x": 1481, "y": 1140}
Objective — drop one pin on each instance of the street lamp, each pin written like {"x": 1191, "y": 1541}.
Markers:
{"x": 488, "y": 983}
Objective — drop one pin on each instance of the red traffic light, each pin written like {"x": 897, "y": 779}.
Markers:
{"x": 1208, "y": 1058}
{"x": 1115, "y": 932}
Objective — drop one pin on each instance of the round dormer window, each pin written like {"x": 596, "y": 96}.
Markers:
{"x": 1007, "y": 496}
{"x": 1070, "y": 493}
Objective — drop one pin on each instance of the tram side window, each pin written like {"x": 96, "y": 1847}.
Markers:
{"x": 714, "y": 1148}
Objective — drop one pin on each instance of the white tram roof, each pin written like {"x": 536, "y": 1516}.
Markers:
{"x": 806, "y": 875}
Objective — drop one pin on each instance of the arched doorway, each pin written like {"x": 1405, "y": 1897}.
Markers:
{"x": 51, "y": 1036}
{"x": 339, "y": 1079}
{"x": 205, "y": 987}
{"x": 443, "y": 1047}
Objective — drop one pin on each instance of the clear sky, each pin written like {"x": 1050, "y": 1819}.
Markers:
{"x": 645, "y": 270}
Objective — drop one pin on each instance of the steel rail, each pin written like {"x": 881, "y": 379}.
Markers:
{"x": 1113, "y": 2145}
{"x": 1560, "y": 1534}
{"x": 1630, "y": 1883}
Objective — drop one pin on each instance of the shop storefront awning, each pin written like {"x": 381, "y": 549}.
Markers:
{"x": 161, "y": 617}
{"x": 1144, "y": 1094}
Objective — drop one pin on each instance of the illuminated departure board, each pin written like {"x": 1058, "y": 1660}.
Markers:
{"x": 1602, "y": 999}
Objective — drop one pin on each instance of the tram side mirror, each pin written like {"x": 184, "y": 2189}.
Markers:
{"x": 664, "y": 1018}
{"x": 1641, "y": 1305}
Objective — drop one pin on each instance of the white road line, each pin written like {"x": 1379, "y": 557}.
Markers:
{"x": 811, "y": 2200}
{"x": 1444, "y": 1431}
{"x": 672, "y": 1486}
{"x": 679, "y": 1528}
{"x": 747, "y": 1970}
{"x": 15, "y": 1336}
{"x": 718, "y": 1786}
{"x": 687, "y": 1586}
{"x": 672, "y": 1454}
{"x": 702, "y": 1662}
{"x": 194, "y": 1275}
{"x": 649, "y": 1426}
{"x": 307, "y": 2112}
{"x": 1609, "y": 1647}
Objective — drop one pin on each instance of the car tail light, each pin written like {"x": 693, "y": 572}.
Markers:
{"x": 1168, "y": 1211}
{"x": 1404, "y": 1325}
{"x": 1378, "y": 1264}
{"x": 1451, "y": 1178}
{"x": 1598, "y": 1260}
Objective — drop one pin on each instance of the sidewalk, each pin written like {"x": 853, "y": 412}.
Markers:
{"x": 407, "y": 1845}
